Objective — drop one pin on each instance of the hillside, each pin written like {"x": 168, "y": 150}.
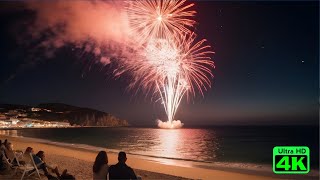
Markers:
{"x": 63, "y": 112}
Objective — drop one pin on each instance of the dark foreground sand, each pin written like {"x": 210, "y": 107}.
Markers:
{"x": 82, "y": 169}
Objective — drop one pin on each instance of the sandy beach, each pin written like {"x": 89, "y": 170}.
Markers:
{"x": 79, "y": 163}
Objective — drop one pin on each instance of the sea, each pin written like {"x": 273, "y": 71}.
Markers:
{"x": 225, "y": 145}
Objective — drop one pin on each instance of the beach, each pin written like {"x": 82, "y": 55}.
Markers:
{"x": 79, "y": 163}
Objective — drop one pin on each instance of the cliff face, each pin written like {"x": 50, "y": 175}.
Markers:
{"x": 62, "y": 112}
{"x": 87, "y": 117}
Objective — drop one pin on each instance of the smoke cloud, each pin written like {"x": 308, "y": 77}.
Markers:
{"x": 175, "y": 124}
{"x": 94, "y": 26}
{"x": 97, "y": 27}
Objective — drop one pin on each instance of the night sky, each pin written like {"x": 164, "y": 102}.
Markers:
{"x": 266, "y": 57}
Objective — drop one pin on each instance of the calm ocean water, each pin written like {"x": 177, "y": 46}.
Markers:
{"x": 228, "y": 144}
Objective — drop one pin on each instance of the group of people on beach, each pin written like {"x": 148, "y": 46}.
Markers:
{"x": 101, "y": 169}
{"x": 39, "y": 159}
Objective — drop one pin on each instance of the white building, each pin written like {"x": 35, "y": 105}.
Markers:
{"x": 14, "y": 121}
{"x": 35, "y": 109}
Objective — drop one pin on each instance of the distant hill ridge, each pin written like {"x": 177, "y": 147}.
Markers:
{"x": 67, "y": 113}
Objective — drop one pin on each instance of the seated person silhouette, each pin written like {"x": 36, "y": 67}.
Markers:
{"x": 121, "y": 170}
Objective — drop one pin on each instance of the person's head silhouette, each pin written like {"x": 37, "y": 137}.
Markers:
{"x": 122, "y": 157}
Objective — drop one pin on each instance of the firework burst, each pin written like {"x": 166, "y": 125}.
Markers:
{"x": 172, "y": 69}
{"x": 169, "y": 62}
{"x": 159, "y": 19}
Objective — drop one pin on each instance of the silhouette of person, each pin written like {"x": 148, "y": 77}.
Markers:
{"x": 121, "y": 170}
{"x": 100, "y": 166}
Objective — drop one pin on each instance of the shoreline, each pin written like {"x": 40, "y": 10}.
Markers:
{"x": 234, "y": 166}
{"x": 159, "y": 159}
{"x": 145, "y": 165}
{"x": 141, "y": 166}
{"x": 71, "y": 127}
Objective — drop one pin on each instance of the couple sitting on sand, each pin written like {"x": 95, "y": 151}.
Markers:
{"x": 117, "y": 171}
{"x": 39, "y": 160}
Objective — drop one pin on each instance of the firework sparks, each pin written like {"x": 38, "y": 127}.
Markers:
{"x": 169, "y": 61}
{"x": 172, "y": 69}
{"x": 159, "y": 19}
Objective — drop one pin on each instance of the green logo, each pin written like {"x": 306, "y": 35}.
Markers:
{"x": 291, "y": 160}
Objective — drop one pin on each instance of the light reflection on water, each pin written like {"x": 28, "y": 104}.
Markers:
{"x": 9, "y": 132}
{"x": 169, "y": 143}
{"x": 251, "y": 144}
{"x": 189, "y": 144}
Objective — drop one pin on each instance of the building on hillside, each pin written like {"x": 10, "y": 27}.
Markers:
{"x": 35, "y": 109}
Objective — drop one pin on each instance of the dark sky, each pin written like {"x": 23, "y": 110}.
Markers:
{"x": 267, "y": 60}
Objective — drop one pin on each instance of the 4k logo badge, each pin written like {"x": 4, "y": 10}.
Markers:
{"x": 291, "y": 160}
